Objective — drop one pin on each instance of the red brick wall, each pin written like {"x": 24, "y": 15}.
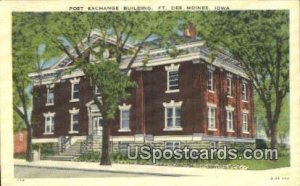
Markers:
{"x": 147, "y": 111}
{"x": 20, "y": 142}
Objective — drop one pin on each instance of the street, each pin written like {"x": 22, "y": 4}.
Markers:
{"x": 37, "y": 172}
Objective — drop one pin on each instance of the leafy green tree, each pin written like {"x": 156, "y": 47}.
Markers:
{"x": 260, "y": 41}
{"x": 64, "y": 32}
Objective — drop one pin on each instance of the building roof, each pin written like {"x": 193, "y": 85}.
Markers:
{"x": 190, "y": 50}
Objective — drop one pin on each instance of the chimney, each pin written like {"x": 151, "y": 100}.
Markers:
{"x": 190, "y": 31}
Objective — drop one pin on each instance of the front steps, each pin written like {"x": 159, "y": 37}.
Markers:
{"x": 91, "y": 144}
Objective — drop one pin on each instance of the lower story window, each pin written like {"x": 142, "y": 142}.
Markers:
{"x": 49, "y": 123}
{"x": 245, "y": 122}
{"x": 123, "y": 147}
{"x": 211, "y": 118}
{"x": 229, "y": 120}
{"x": 172, "y": 145}
{"x": 173, "y": 115}
{"x": 75, "y": 122}
{"x": 213, "y": 144}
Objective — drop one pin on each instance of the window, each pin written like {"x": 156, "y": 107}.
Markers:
{"x": 172, "y": 145}
{"x": 172, "y": 115}
{"x": 97, "y": 90}
{"x": 213, "y": 144}
{"x": 49, "y": 123}
{"x": 245, "y": 122}
{"x": 74, "y": 127}
{"x": 50, "y": 95}
{"x": 124, "y": 118}
{"x": 172, "y": 78}
{"x": 244, "y": 91}
{"x": 210, "y": 82}
{"x": 211, "y": 118}
{"x": 228, "y": 85}
{"x": 75, "y": 89}
{"x": 229, "y": 120}
{"x": 123, "y": 147}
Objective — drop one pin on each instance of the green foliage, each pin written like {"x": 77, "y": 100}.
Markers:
{"x": 89, "y": 157}
{"x": 113, "y": 83}
{"x": 18, "y": 123}
{"x": 45, "y": 148}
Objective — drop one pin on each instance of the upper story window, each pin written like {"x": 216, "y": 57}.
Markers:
{"x": 173, "y": 115}
{"x": 49, "y": 123}
{"x": 228, "y": 86}
{"x": 74, "y": 126}
{"x": 124, "y": 118}
{"x": 172, "y": 78}
{"x": 210, "y": 81}
{"x": 50, "y": 95}
{"x": 75, "y": 89}
{"x": 245, "y": 121}
{"x": 244, "y": 91}
{"x": 211, "y": 117}
{"x": 229, "y": 118}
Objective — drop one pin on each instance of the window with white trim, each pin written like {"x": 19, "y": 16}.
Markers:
{"x": 75, "y": 89}
{"x": 228, "y": 86}
{"x": 245, "y": 122}
{"x": 173, "y": 115}
{"x": 172, "y": 145}
{"x": 50, "y": 95}
{"x": 213, "y": 144}
{"x": 244, "y": 91}
{"x": 211, "y": 118}
{"x": 49, "y": 123}
{"x": 229, "y": 120}
{"x": 172, "y": 78}
{"x": 97, "y": 90}
{"x": 210, "y": 80}
{"x": 124, "y": 117}
{"x": 74, "y": 125}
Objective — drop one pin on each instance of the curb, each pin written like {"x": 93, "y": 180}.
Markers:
{"x": 101, "y": 170}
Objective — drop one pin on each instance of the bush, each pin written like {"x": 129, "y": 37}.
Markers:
{"x": 89, "y": 157}
{"x": 45, "y": 148}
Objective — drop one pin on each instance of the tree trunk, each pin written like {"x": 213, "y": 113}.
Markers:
{"x": 29, "y": 144}
{"x": 105, "y": 156}
{"x": 273, "y": 135}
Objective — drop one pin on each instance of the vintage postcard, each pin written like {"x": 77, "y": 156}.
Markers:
{"x": 150, "y": 92}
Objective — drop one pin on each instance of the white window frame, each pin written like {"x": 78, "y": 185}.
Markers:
{"x": 229, "y": 121}
{"x": 172, "y": 105}
{"x": 245, "y": 121}
{"x": 172, "y": 145}
{"x": 228, "y": 87}
{"x": 244, "y": 91}
{"x": 50, "y": 124}
{"x": 73, "y": 82}
{"x": 49, "y": 103}
{"x": 73, "y": 112}
{"x": 212, "y": 126}
{"x": 210, "y": 81}
{"x": 97, "y": 90}
{"x": 213, "y": 144}
{"x": 169, "y": 69}
{"x": 123, "y": 108}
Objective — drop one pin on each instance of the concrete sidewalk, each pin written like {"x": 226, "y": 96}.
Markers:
{"x": 148, "y": 169}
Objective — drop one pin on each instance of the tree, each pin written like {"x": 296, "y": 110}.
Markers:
{"x": 64, "y": 32}
{"x": 260, "y": 41}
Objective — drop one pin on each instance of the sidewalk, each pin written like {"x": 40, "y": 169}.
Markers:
{"x": 149, "y": 169}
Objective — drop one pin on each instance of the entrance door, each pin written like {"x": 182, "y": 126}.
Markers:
{"x": 97, "y": 128}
